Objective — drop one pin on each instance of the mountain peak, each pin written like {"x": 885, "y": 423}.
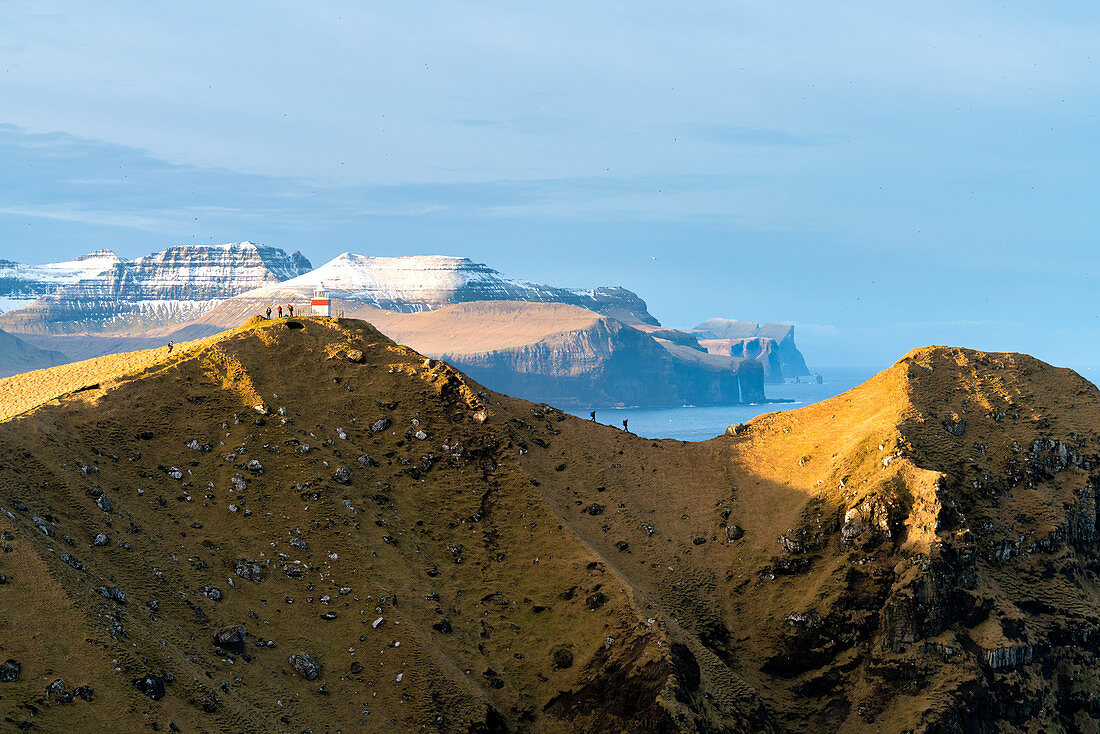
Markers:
{"x": 101, "y": 254}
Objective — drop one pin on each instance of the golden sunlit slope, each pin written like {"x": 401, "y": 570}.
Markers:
{"x": 371, "y": 514}
{"x": 29, "y": 390}
{"x": 916, "y": 554}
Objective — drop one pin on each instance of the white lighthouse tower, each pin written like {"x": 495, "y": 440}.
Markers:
{"x": 322, "y": 305}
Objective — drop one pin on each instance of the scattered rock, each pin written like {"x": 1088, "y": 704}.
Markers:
{"x": 443, "y": 627}
{"x": 151, "y": 685}
{"x": 736, "y": 429}
{"x": 231, "y": 639}
{"x": 698, "y": 540}
{"x": 101, "y": 539}
{"x": 250, "y": 570}
{"x": 365, "y": 460}
{"x": 954, "y": 425}
{"x": 305, "y": 666}
{"x": 113, "y": 593}
{"x": 342, "y": 475}
{"x": 355, "y": 356}
{"x": 622, "y": 545}
{"x": 562, "y": 658}
{"x": 594, "y": 509}
{"x": 356, "y": 668}
{"x": 72, "y": 561}
{"x": 255, "y": 466}
{"x": 9, "y": 671}
{"x": 420, "y": 435}
{"x": 734, "y": 532}
{"x": 380, "y": 425}
{"x": 595, "y": 601}
{"x": 103, "y": 503}
{"x": 55, "y": 689}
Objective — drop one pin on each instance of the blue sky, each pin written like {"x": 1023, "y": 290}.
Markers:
{"x": 885, "y": 175}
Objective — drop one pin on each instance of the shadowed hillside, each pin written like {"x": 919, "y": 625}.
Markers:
{"x": 299, "y": 525}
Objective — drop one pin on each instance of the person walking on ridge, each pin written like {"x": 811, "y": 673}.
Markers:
{"x": 169, "y": 347}
{"x": 290, "y": 308}
{"x": 593, "y": 416}
{"x": 269, "y": 311}
{"x": 280, "y": 311}
{"x": 624, "y": 425}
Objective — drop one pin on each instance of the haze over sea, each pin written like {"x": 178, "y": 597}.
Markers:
{"x": 699, "y": 423}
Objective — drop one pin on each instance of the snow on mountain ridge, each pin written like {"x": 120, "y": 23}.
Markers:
{"x": 178, "y": 283}
{"x": 413, "y": 283}
{"x": 22, "y": 283}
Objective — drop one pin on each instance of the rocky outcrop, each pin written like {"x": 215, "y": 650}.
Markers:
{"x": 177, "y": 284}
{"x": 770, "y": 344}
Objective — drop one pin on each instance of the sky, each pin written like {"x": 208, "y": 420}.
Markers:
{"x": 884, "y": 175}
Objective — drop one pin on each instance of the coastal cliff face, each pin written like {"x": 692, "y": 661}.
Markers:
{"x": 189, "y": 537}
{"x": 566, "y": 355}
{"x": 763, "y": 349}
{"x": 771, "y": 344}
{"x": 175, "y": 285}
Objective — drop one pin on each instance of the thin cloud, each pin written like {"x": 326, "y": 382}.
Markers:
{"x": 753, "y": 136}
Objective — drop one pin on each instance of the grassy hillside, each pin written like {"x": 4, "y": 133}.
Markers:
{"x": 916, "y": 554}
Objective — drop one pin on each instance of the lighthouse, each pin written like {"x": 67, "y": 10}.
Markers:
{"x": 322, "y": 306}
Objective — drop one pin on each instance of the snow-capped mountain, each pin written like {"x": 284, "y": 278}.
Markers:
{"x": 174, "y": 285}
{"x": 425, "y": 282}
{"x": 21, "y": 283}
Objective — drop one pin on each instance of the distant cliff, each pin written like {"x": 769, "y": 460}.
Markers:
{"x": 174, "y": 285}
{"x": 565, "y": 355}
{"x": 770, "y": 344}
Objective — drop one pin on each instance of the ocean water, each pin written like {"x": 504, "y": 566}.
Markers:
{"x": 691, "y": 423}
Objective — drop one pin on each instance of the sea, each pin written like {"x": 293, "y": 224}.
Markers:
{"x": 698, "y": 423}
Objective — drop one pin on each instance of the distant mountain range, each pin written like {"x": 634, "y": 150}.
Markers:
{"x": 598, "y": 346}
{"x": 170, "y": 286}
{"x": 22, "y": 284}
